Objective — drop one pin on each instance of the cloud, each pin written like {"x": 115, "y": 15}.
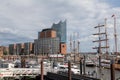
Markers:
{"x": 7, "y": 30}
{"x": 24, "y": 18}
{"x": 9, "y": 38}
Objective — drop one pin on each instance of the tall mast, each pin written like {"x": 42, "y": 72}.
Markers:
{"x": 78, "y": 46}
{"x": 74, "y": 50}
{"x": 78, "y": 43}
{"x": 106, "y": 36}
{"x": 100, "y": 40}
{"x": 99, "y": 35}
{"x": 70, "y": 44}
{"x": 115, "y": 34}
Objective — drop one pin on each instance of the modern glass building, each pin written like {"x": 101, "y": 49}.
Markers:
{"x": 47, "y": 42}
{"x": 61, "y": 30}
{"x": 28, "y": 48}
{"x": 12, "y": 49}
{"x": 51, "y": 40}
{"x": 46, "y": 46}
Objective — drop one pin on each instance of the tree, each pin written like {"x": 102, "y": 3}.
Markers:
{"x": 5, "y": 53}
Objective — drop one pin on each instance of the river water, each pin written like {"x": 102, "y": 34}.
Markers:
{"x": 103, "y": 74}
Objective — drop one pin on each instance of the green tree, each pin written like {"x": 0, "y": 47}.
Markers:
{"x": 5, "y": 53}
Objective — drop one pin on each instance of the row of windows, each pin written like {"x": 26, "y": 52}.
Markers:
{"x": 47, "y": 45}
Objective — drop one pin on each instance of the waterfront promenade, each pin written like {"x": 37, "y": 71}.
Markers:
{"x": 95, "y": 72}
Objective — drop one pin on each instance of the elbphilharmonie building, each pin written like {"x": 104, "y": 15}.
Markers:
{"x": 61, "y": 30}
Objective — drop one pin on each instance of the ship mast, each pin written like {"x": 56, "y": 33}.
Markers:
{"x": 78, "y": 47}
{"x": 74, "y": 49}
{"x": 115, "y": 34}
{"x": 70, "y": 45}
{"x": 106, "y": 36}
{"x": 101, "y": 40}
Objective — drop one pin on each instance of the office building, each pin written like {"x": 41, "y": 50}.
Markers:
{"x": 50, "y": 41}
{"x": 28, "y": 48}
{"x": 61, "y": 33}
{"x": 60, "y": 30}
{"x": 45, "y": 46}
{"x": 3, "y": 51}
{"x": 19, "y": 49}
{"x": 47, "y": 42}
{"x": 63, "y": 48}
{"x": 47, "y": 33}
{"x": 12, "y": 49}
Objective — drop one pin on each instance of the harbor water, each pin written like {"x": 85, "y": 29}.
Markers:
{"x": 103, "y": 73}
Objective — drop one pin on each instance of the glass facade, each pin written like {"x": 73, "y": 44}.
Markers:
{"x": 61, "y": 30}
{"x": 46, "y": 46}
{"x": 12, "y": 50}
{"x": 27, "y": 48}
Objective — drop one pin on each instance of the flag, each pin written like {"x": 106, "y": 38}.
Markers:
{"x": 113, "y": 15}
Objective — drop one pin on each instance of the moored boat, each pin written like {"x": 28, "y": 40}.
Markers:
{"x": 89, "y": 63}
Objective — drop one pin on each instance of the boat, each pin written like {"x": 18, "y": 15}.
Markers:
{"x": 7, "y": 65}
{"x": 105, "y": 63}
{"x": 89, "y": 63}
{"x": 75, "y": 69}
{"x": 64, "y": 68}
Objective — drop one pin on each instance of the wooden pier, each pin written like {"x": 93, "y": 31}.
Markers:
{"x": 64, "y": 76}
{"x": 117, "y": 66}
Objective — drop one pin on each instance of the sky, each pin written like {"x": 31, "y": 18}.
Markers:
{"x": 21, "y": 20}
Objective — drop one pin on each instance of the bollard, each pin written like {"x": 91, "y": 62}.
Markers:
{"x": 69, "y": 70}
{"x": 80, "y": 67}
{"x": 84, "y": 65}
{"x": 23, "y": 62}
{"x": 112, "y": 69}
{"x": 42, "y": 70}
{"x": 100, "y": 61}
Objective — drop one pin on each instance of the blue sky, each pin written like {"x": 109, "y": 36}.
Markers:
{"x": 21, "y": 20}
{"x": 113, "y": 3}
